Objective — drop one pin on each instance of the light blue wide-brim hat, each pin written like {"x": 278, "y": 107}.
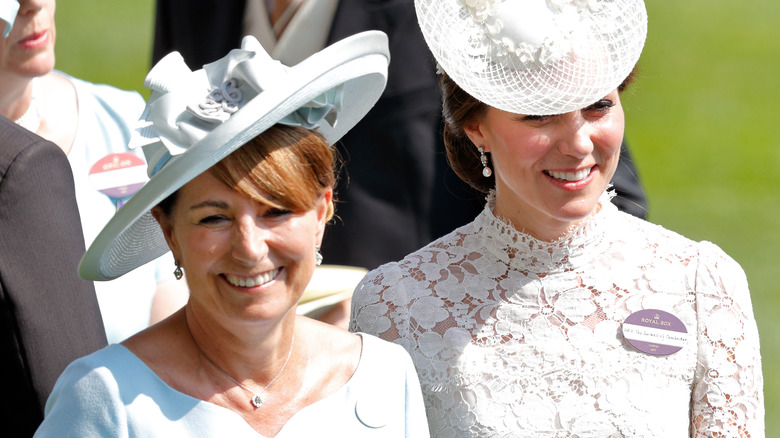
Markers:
{"x": 195, "y": 119}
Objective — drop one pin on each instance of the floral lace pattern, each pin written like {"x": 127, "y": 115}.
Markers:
{"x": 514, "y": 337}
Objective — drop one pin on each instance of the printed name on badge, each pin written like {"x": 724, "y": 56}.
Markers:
{"x": 655, "y": 332}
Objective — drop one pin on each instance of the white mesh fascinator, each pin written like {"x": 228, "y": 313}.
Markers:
{"x": 194, "y": 119}
{"x": 535, "y": 57}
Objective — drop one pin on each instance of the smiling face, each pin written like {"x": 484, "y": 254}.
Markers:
{"x": 244, "y": 260}
{"x": 29, "y": 49}
{"x": 551, "y": 170}
{"x": 245, "y": 231}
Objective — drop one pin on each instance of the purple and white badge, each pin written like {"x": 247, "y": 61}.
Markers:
{"x": 118, "y": 176}
{"x": 655, "y": 332}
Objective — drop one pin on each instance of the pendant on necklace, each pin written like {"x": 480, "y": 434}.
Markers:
{"x": 256, "y": 400}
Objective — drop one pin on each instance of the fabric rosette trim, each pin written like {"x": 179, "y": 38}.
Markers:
{"x": 540, "y": 32}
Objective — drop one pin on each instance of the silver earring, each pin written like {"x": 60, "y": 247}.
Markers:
{"x": 486, "y": 171}
{"x": 317, "y": 256}
{"x": 178, "y": 273}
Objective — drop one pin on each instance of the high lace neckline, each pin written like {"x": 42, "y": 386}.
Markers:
{"x": 523, "y": 251}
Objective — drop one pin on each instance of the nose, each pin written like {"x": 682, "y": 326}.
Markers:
{"x": 27, "y": 6}
{"x": 575, "y": 138}
{"x": 249, "y": 242}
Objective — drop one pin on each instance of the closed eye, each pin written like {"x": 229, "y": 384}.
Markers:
{"x": 276, "y": 212}
{"x": 213, "y": 220}
{"x": 601, "y": 107}
{"x": 538, "y": 119}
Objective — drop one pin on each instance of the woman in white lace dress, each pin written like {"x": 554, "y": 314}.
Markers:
{"x": 553, "y": 314}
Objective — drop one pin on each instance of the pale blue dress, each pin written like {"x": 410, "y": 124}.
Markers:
{"x": 112, "y": 393}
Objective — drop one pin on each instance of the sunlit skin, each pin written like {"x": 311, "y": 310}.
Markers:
{"x": 222, "y": 237}
{"x": 536, "y": 160}
{"x": 28, "y": 51}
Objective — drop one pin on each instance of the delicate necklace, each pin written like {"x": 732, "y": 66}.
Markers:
{"x": 31, "y": 119}
{"x": 256, "y": 399}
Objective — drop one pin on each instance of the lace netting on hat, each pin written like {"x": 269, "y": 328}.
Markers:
{"x": 574, "y": 67}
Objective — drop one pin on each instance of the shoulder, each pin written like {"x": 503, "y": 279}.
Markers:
{"x": 107, "y": 100}
{"x": 437, "y": 252}
{"x": 384, "y": 354}
{"x": 708, "y": 265}
{"x": 343, "y": 352}
{"x": 103, "y": 91}
{"x": 645, "y": 236}
{"x": 17, "y": 141}
{"x": 108, "y": 365}
{"x": 389, "y": 380}
{"x": 671, "y": 241}
{"x": 88, "y": 390}
{"x": 385, "y": 366}
{"x": 416, "y": 270}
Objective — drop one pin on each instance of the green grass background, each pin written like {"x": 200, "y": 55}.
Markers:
{"x": 702, "y": 123}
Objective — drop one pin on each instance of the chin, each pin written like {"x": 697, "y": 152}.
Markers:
{"x": 578, "y": 210}
{"x": 38, "y": 67}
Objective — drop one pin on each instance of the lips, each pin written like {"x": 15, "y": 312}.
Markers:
{"x": 257, "y": 280}
{"x": 569, "y": 176}
{"x": 35, "y": 40}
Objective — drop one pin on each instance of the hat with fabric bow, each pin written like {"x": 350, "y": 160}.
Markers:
{"x": 194, "y": 119}
{"x": 535, "y": 57}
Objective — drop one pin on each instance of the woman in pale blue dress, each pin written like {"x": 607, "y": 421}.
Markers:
{"x": 241, "y": 189}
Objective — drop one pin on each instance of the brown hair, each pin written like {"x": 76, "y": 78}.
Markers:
{"x": 460, "y": 108}
{"x": 285, "y": 167}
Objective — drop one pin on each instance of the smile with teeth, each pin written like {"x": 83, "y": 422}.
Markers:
{"x": 257, "y": 280}
{"x": 569, "y": 176}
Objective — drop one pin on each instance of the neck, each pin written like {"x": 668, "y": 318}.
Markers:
{"x": 243, "y": 355}
{"x": 547, "y": 229}
{"x": 15, "y": 97}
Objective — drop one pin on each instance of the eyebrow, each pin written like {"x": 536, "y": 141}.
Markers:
{"x": 216, "y": 204}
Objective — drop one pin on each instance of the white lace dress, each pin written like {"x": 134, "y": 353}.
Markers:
{"x": 515, "y": 337}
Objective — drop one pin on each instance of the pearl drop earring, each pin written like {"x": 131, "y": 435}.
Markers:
{"x": 486, "y": 171}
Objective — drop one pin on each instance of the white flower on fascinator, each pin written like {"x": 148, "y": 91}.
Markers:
{"x": 530, "y": 32}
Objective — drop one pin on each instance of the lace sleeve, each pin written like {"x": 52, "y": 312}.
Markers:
{"x": 727, "y": 397}
{"x": 371, "y": 312}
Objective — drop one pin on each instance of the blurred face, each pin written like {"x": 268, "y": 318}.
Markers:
{"x": 551, "y": 170}
{"x": 244, "y": 261}
{"x": 29, "y": 49}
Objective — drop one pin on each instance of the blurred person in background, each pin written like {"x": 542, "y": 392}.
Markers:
{"x": 91, "y": 123}
{"x": 49, "y": 317}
